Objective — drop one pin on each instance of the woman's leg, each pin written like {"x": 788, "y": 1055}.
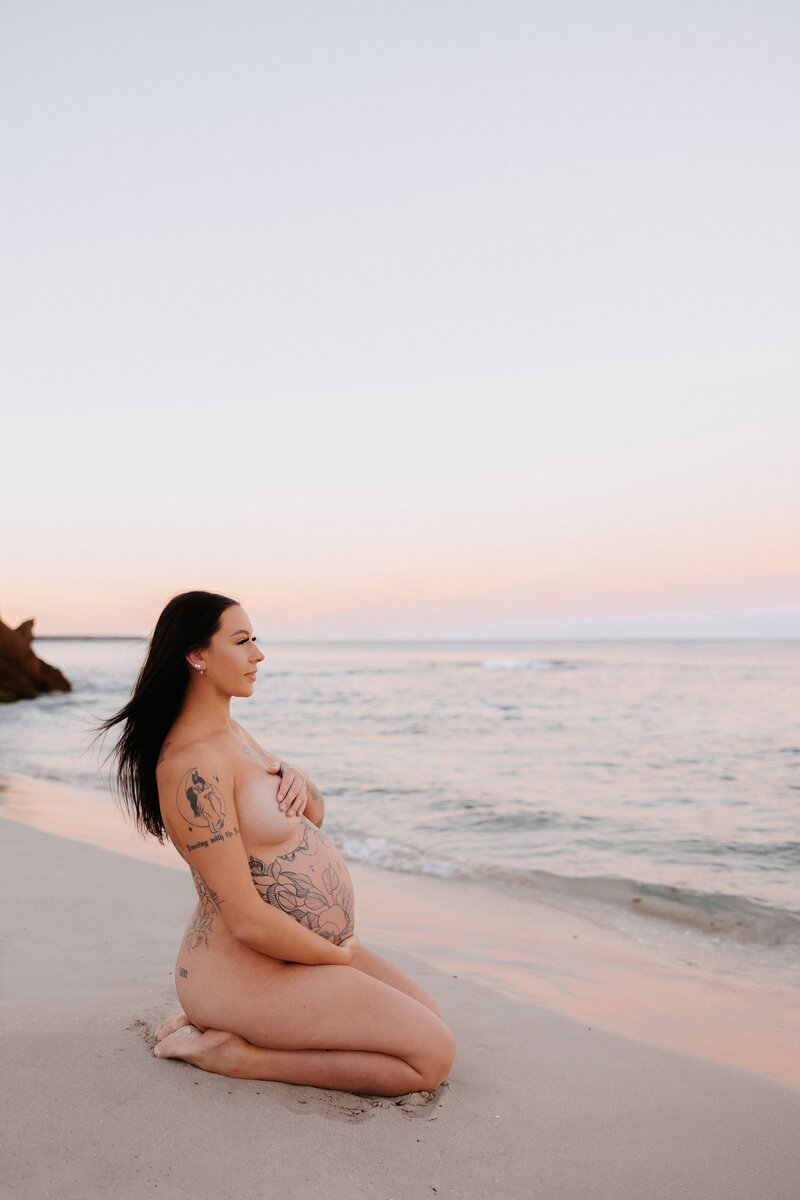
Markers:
{"x": 365, "y": 960}
{"x": 320, "y": 1025}
{"x": 372, "y": 964}
{"x": 345, "y": 1071}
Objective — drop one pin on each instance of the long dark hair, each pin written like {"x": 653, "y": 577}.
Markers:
{"x": 187, "y": 623}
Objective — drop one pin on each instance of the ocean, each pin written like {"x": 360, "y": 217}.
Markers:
{"x": 664, "y": 776}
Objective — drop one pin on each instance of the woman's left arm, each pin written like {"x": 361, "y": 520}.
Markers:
{"x": 297, "y": 795}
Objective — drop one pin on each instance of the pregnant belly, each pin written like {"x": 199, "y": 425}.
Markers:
{"x": 310, "y": 883}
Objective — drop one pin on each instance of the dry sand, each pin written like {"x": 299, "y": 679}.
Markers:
{"x": 538, "y": 1104}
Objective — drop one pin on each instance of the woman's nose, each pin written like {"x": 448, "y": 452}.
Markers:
{"x": 258, "y": 656}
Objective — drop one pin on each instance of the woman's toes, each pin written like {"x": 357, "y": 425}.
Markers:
{"x": 174, "y": 1021}
{"x": 178, "y": 1043}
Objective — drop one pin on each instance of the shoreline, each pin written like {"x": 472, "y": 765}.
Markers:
{"x": 683, "y": 994}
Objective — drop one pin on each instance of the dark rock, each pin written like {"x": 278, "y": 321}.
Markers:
{"x": 25, "y": 630}
{"x": 22, "y": 674}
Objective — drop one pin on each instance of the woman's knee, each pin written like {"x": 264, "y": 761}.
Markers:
{"x": 438, "y": 1058}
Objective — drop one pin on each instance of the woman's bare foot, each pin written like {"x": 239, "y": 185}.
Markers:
{"x": 174, "y": 1021}
{"x": 212, "y": 1050}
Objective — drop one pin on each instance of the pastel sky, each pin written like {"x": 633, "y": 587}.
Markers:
{"x": 415, "y": 319}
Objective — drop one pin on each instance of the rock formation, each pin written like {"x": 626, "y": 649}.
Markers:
{"x": 22, "y": 674}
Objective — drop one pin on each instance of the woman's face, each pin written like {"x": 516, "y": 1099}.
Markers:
{"x": 231, "y": 658}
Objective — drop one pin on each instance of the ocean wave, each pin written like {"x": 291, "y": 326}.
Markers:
{"x": 518, "y": 820}
{"x": 395, "y": 790}
{"x": 775, "y": 854}
{"x": 379, "y": 851}
{"x": 337, "y": 672}
{"x": 715, "y": 914}
{"x": 526, "y": 664}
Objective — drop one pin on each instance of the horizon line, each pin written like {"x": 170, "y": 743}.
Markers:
{"x": 401, "y": 640}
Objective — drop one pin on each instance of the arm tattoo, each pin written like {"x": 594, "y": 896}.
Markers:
{"x": 200, "y": 802}
{"x": 322, "y": 902}
{"x": 317, "y": 802}
{"x": 256, "y": 755}
{"x": 163, "y": 754}
{"x": 202, "y": 922}
{"x": 314, "y": 792}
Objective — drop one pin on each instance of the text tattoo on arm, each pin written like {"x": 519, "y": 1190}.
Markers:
{"x": 323, "y": 903}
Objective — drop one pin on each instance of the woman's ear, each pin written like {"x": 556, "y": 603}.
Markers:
{"x": 195, "y": 661}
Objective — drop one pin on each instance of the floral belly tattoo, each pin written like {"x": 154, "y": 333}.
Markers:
{"x": 321, "y": 898}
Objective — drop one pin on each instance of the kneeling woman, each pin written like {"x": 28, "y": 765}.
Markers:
{"x": 272, "y": 982}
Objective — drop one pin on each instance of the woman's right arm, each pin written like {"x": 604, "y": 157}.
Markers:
{"x": 199, "y": 812}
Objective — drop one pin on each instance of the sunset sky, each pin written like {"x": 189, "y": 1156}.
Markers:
{"x": 402, "y": 320}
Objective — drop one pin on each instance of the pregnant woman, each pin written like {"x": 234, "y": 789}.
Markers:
{"x": 272, "y": 982}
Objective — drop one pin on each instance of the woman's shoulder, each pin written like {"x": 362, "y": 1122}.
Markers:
{"x": 243, "y": 736}
{"x": 183, "y": 753}
{"x": 195, "y": 784}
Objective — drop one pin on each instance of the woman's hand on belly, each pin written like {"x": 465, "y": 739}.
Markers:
{"x": 351, "y": 947}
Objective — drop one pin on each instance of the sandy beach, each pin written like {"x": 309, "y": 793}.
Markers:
{"x": 539, "y": 1103}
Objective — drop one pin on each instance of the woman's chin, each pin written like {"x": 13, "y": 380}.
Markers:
{"x": 238, "y": 691}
